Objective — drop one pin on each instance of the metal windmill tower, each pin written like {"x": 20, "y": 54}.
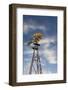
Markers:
{"x": 35, "y": 66}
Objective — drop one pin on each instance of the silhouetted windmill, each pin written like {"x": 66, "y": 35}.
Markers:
{"x": 35, "y": 66}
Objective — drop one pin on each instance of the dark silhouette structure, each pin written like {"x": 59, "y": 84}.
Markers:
{"x": 35, "y": 66}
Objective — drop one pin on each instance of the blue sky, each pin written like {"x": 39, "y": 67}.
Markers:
{"x": 47, "y": 25}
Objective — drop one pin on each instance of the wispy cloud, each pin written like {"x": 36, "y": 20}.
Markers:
{"x": 28, "y": 52}
{"x": 47, "y": 40}
{"x": 44, "y": 71}
{"x": 49, "y": 53}
{"x": 26, "y": 68}
{"x": 33, "y": 26}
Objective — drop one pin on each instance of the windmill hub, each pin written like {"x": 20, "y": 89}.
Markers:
{"x": 37, "y": 37}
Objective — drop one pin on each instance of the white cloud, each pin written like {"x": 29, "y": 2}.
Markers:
{"x": 25, "y": 43}
{"x": 27, "y": 59}
{"x": 46, "y": 71}
{"x": 25, "y": 28}
{"x": 28, "y": 52}
{"x": 26, "y": 68}
{"x": 49, "y": 53}
{"x": 47, "y": 40}
{"x": 29, "y": 26}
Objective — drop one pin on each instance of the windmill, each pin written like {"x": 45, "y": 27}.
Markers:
{"x": 35, "y": 66}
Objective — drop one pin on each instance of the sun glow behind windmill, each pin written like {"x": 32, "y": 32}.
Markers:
{"x": 35, "y": 66}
